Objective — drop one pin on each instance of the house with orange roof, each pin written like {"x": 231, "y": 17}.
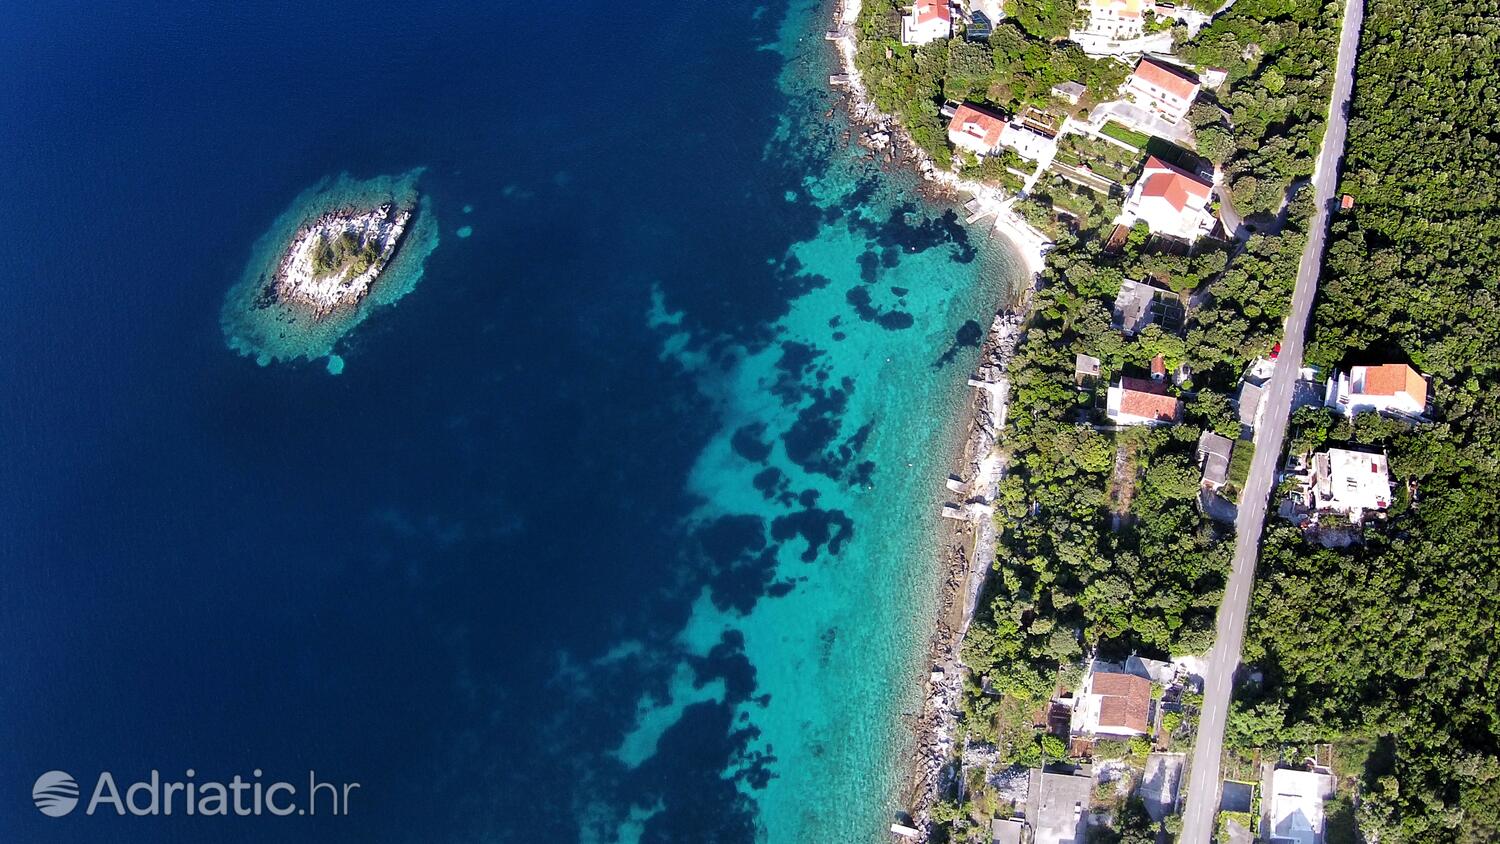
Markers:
{"x": 1393, "y": 388}
{"x": 976, "y": 129}
{"x": 929, "y": 21}
{"x": 1111, "y": 702}
{"x": 1165, "y": 88}
{"x": 1137, "y": 401}
{"x": 1171, "y": 201}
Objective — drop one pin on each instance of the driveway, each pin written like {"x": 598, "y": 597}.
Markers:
{"x": 1095, "y": 44}
{"x": 1141, "y": 119}
{"x": 1203, "y": 782}
{"x": 1234, "y": 222}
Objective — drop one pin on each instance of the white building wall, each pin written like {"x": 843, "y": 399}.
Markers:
{"x": 1167, "y": 104}
{"x": 924, "y": 33}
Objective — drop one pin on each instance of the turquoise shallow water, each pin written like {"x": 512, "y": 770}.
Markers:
{"x": 278, "y": 333}
{"x": 874, "y": 353}
{"x": 619, "y": 525}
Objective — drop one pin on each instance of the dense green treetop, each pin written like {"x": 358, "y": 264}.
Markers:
{"x": 1395, "y": 641}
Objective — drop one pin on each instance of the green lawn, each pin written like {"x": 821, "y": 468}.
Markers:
{"x": 1239, "y": 462}
{"x": 1120, "y": 133}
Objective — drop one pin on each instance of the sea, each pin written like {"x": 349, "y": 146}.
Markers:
{"x": 619, "y": 525}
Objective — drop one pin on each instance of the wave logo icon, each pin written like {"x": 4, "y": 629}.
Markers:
{"x": 55, "y": 793}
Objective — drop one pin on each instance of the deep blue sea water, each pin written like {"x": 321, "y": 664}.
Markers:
{"x": 616, "y": 528}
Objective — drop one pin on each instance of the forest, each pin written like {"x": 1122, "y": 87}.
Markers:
{"x": 1388, "y": 649}
{"x": 1266, "y": 124}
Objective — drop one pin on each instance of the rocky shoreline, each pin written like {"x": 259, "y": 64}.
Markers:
{"x": 882, "y": 132}
{"x": 969, "y": 544}
{"x": 297, "y": 281}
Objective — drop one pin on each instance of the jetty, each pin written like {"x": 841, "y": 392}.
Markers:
{"x": 970, "y": 548}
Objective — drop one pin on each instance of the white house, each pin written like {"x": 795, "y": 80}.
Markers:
{"x": 1389, "y": 388}
{"x": 1118, "y": 28}
{"x": 1164, "y": 88}
{"x": 1111, "y": 702}
{"x": 1136, "y": 401}
{"x": 993, "y": 9}
{"x": 1296, "y": 813}
{"x": 976, "y": 129}
{"x": 1349, "y": 482}
{"x": 1171, "y": 201}
{"x": 929, "y": 20}
{"x": 1118, "y": 20}
{"x": 1027, "y": 142}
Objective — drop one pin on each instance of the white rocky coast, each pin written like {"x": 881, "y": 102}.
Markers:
{"x": 882, "y": 133}
{"x": 332, "y": 261}
{"x": 343, "y": 248}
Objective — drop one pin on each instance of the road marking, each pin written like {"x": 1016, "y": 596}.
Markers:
{"x": 1203, "y": 776}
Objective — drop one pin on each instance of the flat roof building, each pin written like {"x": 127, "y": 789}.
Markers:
{"x": 1027, "y": 140}
{"x": 1057, "y": 806}
{"x": 1005, "y": 831}
{"x": 1349, "y": 482}
{"x": 1213, "y": 457}
{"x": 1085, "y": 369}
{"x": 1070, "y": 91}
{"x": 1139, "y": 304}
{"x": 1248, "y": 403}
{"x": 1296, "y": 806}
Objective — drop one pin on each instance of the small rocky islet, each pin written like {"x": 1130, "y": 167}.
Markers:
{"x": 343, "y": 248}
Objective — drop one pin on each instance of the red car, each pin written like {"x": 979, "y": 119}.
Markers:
{"x": 1275, "y": 351}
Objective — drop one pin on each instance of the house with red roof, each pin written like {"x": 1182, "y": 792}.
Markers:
{"x": 1113, "y": 703}
{"x": 1137, "y": 401}
{"x": 1171, "y": 201}
{"x": 976, "y": 129}
{"x": 983, "y": 131}
{"x": 1393, "y": 388}
{"x": 929, "y": 20}
{"x": 1165, "y": 88}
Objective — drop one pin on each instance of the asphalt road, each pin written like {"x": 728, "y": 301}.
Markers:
{"x": 1203, "y": 781}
